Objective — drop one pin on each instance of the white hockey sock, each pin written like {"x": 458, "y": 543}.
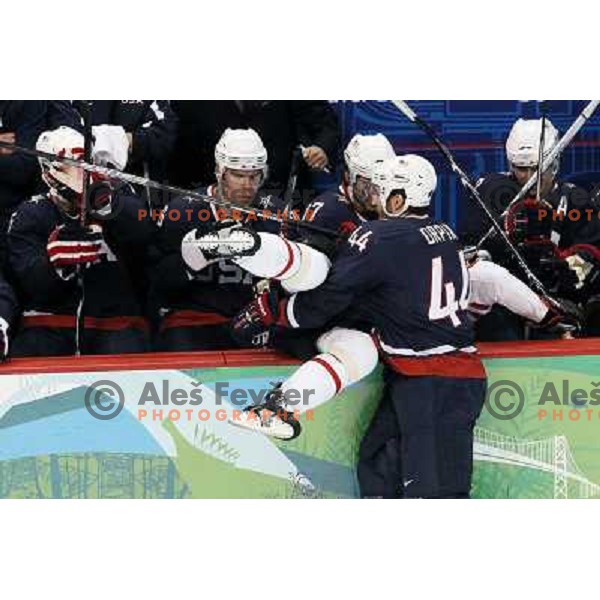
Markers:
{"x": 315, "y": 382}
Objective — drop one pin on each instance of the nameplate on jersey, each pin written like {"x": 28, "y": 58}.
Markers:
{"x": 438, "y": 234}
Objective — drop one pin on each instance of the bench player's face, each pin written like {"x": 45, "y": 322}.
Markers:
{"x": 523, "y": 174}
{"x": 241, "y": 186}
{"x": 364, "y": 195}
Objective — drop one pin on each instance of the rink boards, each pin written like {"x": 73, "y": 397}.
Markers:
{"x": 157, "y": 426}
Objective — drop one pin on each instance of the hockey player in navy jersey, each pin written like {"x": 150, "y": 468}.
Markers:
{"x": 563, "y": 251}
{"x": 8, "y": 314}
{"x": 301, "y": 262}
{"x": 409, "y": 275}
{"x": 49, "y": 250}
{"x": 196, "y": 291}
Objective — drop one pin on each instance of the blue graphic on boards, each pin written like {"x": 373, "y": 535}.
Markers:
{"x": 475, "y": 131}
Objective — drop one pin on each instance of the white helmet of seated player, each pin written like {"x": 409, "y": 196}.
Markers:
{"x": 241, "y": 164}
{"x": 523, "y": 148}
{"x": 362, "y": 153}
{"x": 409, "y": 176}
{"x": 65, "y": 181}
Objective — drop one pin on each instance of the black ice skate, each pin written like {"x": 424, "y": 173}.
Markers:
{"x": 270, "y": 418}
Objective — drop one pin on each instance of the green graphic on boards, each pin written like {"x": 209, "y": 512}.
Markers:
{"x": 532, "y": 455}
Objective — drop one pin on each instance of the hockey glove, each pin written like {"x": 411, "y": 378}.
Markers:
{"x": 4, "y": 339}
{"x": 583, "y": 261}
{"x": 71, "y": 246}
{"x": 252, "y": 326}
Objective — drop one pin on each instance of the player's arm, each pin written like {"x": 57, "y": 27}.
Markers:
{"x": 15, "y": 168}
{"x": 8, "y": 302}
{"x": 28, "y": 241}
{"x": 492, "y": 284}
{"x": 125, "y": 215}
{"x": 153, "y": 141}
{"x": 354, "y": 272}
{"x": 175, "y": 260}
{"x": 317, "y": 126}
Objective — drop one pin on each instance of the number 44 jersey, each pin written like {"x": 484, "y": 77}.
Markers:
{"x": 407, "y": 278}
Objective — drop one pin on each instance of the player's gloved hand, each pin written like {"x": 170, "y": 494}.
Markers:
{"x": 255, "y": 321}
{"x": 581, "y": 267}
{"x": 4, "y": 339}
{"x": 111, "y": 146}
{"x": 583, "y": 261}
{"x": 71, "y": 246}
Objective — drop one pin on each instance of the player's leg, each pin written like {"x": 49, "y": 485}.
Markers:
{"x": 298, "y": 266}
{"x": 436, "y": 416}
{"x": 346, "y": 356}
{"x": 461, "y": 401}
{"x": 379, "y": 469}
{"x": 415, "y": 405}
{"x": 43, "y": 341}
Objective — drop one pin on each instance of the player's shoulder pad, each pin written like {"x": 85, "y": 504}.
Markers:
{"x": 578, "y": 196}
{"x": 36, "y": 214}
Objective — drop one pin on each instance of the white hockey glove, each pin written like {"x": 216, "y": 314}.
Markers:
{"x": 581, "y": 267}
{"x": 4, "y": 339}
{"x": 111, "y": 146}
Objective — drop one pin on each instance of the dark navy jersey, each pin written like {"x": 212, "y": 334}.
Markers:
{"x": 222, "y": 287}
{"x": 8, "y": 301}
{"x": 498, "y": 189}
{"x": 109, "y": 284}
{"x": 333, "y": 211}
{"x": 410, "y": 279}
{"x": 568, "y": 216}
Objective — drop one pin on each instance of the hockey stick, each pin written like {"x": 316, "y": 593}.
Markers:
{"x": 466, "y": 182}
{"x": 290, "y": 188}
{"x": 144, "y": 181}
{"x": 538, "y": 187}
{"x": 579, "y": 122}
{"x": 87, "y": 155}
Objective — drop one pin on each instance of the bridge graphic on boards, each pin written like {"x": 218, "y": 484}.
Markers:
{"x": 551, "y": 455}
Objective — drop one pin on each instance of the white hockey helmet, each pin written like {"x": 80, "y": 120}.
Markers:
{"x": 523, "y": 143}
{"x": 412, "y": 174}
{"x": 67, "y": 143}
{"x": 241, "y": 149}
{"x": 363, "y": 152}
